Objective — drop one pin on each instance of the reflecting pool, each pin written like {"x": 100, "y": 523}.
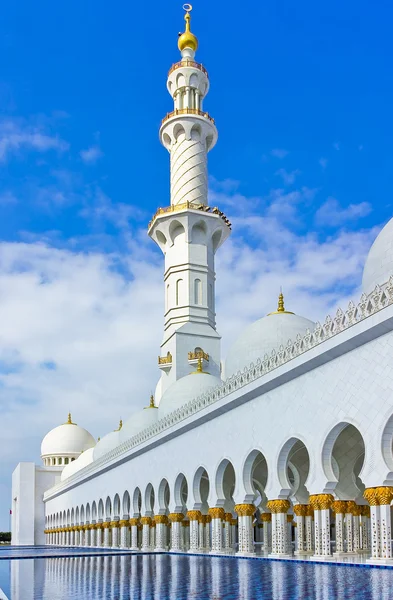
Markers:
{"x": 178, "y": 577}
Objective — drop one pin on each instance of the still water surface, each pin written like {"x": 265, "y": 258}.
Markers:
{"x": 176, "y": 577}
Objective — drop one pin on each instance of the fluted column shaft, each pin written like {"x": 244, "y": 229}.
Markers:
{"x": 194, "y": 517}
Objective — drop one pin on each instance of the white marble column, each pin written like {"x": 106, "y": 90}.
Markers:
{"x": 321, "y": 504}
{"x": 176, "y": 519}
{"x": 279, "y": 509}
{"x": 152, "y": 534}
{"x": 107, "y": 534}
{"x": 365, "y": 528}
{"x": 134, "y": 533}
{"x": 99, "y": 538}
{"x": 349, "y": 527}
{"x": 356, "y": 530}
{"x": 380, "y": 499}
{"x": 124, "y": 533}
{"x": 300, "y": 511}
{"x": 93, "y": 534}
{"x": 194, "y": 517}
{"x": 201, "y": 533}
{"x": 217, "y": 515}
{"x": 245, "y": 513}
{"x": 228, "y": 544}
{"x": 207, "y": 533}
{"x": 267, "y": 525}
{"x": 145, "y": 522}
{"x": 339, "y": 509}
{"x": 161, "y": 534}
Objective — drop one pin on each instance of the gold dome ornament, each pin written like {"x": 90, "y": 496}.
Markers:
{"x": 187, "y": 39}
{"x": 69, "y": 420}
{"x": 281, "y": 307}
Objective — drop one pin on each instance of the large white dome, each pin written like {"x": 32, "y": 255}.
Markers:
{"x": 185, "y": 389}
{"x": 263, "y": 336}
{"x": 379, "y": 263}
{"x": 137, "y": 422}
{"x": 66, "y": 440}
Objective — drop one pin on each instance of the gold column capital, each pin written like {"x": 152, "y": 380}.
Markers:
{"x": 176, "y": 517}
{"x": 384, "y": 495}
{"x": 124, "y": 523}
{"x": 370, "y": 494}
{"x": 133, "y": 522}
{"x": 161, "y": 519}
{"x": 278, "y": 506}
{"x": 339, "y": 507}
{"x": 228, "y": 517}
{"x": 145, "y": 521}
{"x": 321, "y": 501}
{"x": 194, "y": 515}
{"x": 289, "y": 518}
{"x": 217, "y": 512}
{"x": 266, "y": 517}
{"x": 300, "y": 510}
{"x": 245, "y": 510}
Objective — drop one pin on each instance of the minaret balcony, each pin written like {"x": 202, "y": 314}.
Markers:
{"x": 187, "y": 111}
{"x": 187, "y": 63}
{"x": 165, "y": 362}
{"x": 187, "y": 205}
{"x": 196, "y": 356}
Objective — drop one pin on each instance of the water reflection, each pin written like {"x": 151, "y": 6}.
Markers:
{"x": 163, "y": 577}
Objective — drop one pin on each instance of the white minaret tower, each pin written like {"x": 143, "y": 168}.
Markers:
{"x": 188, "y": 231}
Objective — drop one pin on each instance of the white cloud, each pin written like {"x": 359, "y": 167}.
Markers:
{"x": 279, "y": 153}
{"x": 288, "y": 177}
{"x": 91, "y": 155}
{"x": 17, "y": 135}
{"x": 323, "y": 162}
{"x": 332, "y": 214}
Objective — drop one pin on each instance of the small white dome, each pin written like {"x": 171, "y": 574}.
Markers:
{"x": 66, "y": 440}
{"x": 137, "y": 422}
{"x": 185, "y": 389}
{"x": 379, "y": 263}
{"x": 263, "y": 336}
{"x": 76, "y": 465}
{"x": 106, "y": 444}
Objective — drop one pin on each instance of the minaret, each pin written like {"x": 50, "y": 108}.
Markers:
{"x": 188, "y": 231}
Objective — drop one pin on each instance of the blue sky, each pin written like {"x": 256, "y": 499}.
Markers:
{"x": 302, "y": 96}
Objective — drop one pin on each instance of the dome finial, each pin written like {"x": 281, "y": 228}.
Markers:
{"x": 280, "y": 307}
{"x": 120, "y": 425}
{"x": 187, "y": 39}
{"x": 199, "y": 368}
{"x": 152, "y": 403}
{"x": 69, "y": 420}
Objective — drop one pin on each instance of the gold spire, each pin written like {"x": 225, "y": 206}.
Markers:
{"x": 280, "y": 306}
{"x": 199, "y": 368}
{"x": 120, "y": 425}
{"x": 187, "y": 39}
{"x": 69, "y": 420}
{"x": 151, "y": 405}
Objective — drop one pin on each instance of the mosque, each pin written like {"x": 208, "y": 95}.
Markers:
{"x": 284, "y": 448}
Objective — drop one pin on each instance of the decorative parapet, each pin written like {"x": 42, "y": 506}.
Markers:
{"x": 187, "y": 111}
{"x": 199, "y": 354}
{"x": 187, "y": 63}
{"x": 381, "y": 298}
{"x": 165, "y": 360}
{"x": 185, "y": 205}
